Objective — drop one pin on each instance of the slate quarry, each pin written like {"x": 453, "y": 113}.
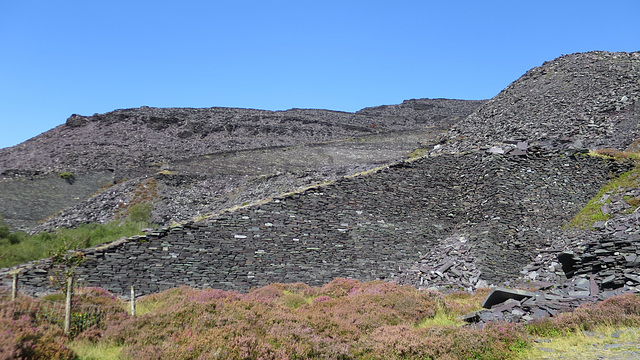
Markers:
{"x": 366, "y": 227}
{"x": 488, "y": 204}
{"x": 217, "y": 157}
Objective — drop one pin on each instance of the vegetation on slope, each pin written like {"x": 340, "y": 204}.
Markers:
{"x": 592, "y": 212}
{"x": 20, "y": 247}
{"x": 344, "y": 319}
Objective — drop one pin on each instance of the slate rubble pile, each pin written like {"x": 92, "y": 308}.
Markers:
{"x": 145, "y": 136}
{"x": 583, "y": 100}
{"x": 582, "y": 266}
{"x": 548, "y": 300}
{"x": 209, "y": 185}
{"x": 449, "y": 265}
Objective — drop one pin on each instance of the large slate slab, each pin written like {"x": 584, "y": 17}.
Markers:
{"x": 500, "y": 295}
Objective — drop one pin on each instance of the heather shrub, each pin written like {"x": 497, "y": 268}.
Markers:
{"x": 165, "y": 300}
{"x": 336, "y": 288}
{"x": 621, "y": 310}
{"x": 26, "y": 334}
{"x": 278, "y": 321}
{"x": 269, "y": 293}
{"x": 344, "y": 319}
{"x": 496, "y": 341}
{"x": 208, "y": 295}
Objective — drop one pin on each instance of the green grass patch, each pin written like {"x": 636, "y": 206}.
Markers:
{"x": 586, "y": 345}
{"x": 592, "y": 211}
{"x": 19, "y": 247}
{"x": 295, "y": 300}
{"x": 442, "y": 318}
{"x": 417, "y": 153}
{"x": 87, "y": 350}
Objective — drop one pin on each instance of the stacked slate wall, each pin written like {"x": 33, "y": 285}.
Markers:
{"x": 367, "y": 227}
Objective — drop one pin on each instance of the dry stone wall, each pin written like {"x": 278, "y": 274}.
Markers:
{"x": 366, "y": 227}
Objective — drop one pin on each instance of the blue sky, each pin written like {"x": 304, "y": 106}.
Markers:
{"x": 63, "y": 57}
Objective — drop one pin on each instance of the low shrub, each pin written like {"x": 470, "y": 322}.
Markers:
{"x": 28, "y": 331}
{"x": 622, "y": 310}
{"x": 344, "y": 319}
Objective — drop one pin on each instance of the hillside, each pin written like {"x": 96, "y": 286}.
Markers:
{"x": 491, "y": 203}
{"x": 585, "y": 100}
{"x": 150, "y": 137}
{"x": 208, "y": 159}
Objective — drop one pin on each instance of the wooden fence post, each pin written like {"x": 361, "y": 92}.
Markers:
{"x": 14, "y": 287}
{"x": 133, "y": 302}
{"x": 67, "y": 308}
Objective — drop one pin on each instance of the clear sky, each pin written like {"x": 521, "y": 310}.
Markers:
{"x": 63, "y": 57}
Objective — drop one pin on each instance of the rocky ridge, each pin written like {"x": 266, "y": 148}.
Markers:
{"x": 208, "y": 160}
{"x": 150, "y": 137}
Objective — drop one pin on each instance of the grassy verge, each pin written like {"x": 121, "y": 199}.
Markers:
{"x": 592, "y": 211}
{"x": 604, "y": 342}
{"x": 19, "y": 247}
{"x": 87, "y": 350}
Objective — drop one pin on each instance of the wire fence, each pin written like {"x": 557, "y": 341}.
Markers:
{"x": 75, "y": 311}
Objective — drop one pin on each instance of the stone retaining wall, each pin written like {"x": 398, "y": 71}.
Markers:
{"x": 366, "y": 227}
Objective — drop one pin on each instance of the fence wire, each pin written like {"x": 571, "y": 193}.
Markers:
{"x": 39, "y": 312}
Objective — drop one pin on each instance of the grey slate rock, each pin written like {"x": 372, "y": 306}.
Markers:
{"x": 500, "y": 295}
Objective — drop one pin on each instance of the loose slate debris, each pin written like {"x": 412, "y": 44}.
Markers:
{"x": 512, "y": 147}
{"x": 594, "y": 266}
{"x": 455, "y": 268}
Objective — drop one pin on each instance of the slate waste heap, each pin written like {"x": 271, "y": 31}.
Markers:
{"x": 193, "y": 162}
{"x": 489, "y": 203}
{"x": 569, "y": 105}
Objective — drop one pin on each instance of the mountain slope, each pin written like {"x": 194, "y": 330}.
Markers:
{"x": 584, "y": 100}
{"x": 147, "y": 137}
{"x": 203, "y": 160}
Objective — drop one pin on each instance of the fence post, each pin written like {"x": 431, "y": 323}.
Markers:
{"x": 14, "y": 287}
{"x": 67, "y": 308}
{"x": 133, "y": 302}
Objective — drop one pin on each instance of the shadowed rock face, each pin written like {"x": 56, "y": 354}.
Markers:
{"x": 209, "y": 159}
{"x": 589, "y": 100}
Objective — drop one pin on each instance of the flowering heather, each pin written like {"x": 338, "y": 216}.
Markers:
{"x": 622, "y": 310}
{"x": 344, "y": 319}
{"x": 27, "y": 333}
